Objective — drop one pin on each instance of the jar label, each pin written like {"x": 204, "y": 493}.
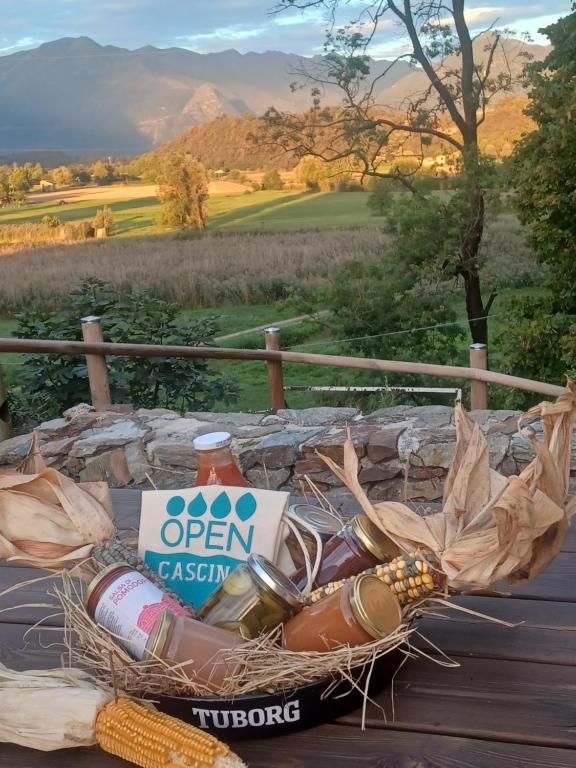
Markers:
{"x": 129, "y": 608}
{"x": 193, "y": 538}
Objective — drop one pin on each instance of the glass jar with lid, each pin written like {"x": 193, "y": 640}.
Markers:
{"x": 254, "y": 599}
{"x": 306, "y": 517}
{"x": 216, "y": 464}
{"x": 359, "y": 612}
{"x": 201, "y": 652}
{"x": 359, "y": 545}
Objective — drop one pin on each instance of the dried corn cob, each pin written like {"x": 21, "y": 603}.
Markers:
{"x": 152, "y": 739}
{"x": 116, "y": 551}
{"x": 410, "y": 576}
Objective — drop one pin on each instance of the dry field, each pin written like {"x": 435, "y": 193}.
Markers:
{"x": 201, "y": 271}
{"x": 116, "y": 192}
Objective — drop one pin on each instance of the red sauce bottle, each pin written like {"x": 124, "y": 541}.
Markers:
{"x": 216, "y": 464}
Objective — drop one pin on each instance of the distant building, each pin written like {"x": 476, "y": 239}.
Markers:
{"x": 47, "y": 186}
{"x": 220, "y": 173}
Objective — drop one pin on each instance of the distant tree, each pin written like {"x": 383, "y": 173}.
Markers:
{"x": 38, "y": 172}
{"x": 540, "y": 340}
{"x": 82, "y": 176}
{"x": 104, "y": 219}
{"x": 460, "y": 87}
{"x": 5, "y": 191}
{"x": 183, "y": 192}
{"x": 101, "y": 172}
{"x": 20, "y": 181}
{"x": 272, "y": 180}
{"x": 381, "y": 196}
{"x": 62, "y": 176}
{"x": 51, "y": 221}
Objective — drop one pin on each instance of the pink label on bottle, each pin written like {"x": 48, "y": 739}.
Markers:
{"x": 129, "y": 608}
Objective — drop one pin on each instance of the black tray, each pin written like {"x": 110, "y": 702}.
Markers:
{"x": 261, "y": 715}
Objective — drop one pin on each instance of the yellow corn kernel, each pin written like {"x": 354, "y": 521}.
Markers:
{"x": 152, "y": 739}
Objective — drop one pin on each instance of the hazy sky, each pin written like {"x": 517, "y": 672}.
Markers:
{"x": 214, "y": 25}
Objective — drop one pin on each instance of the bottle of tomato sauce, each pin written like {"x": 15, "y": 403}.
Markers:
{"x": 216, "y": 464}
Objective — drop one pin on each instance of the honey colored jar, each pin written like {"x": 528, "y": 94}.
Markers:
{"x": 216, "y": 464}
{"x": 199, "y": 649}
{"x": 255, "y": 598}
{"x": 359, "y": 545}
{"x": 359, "y": 612}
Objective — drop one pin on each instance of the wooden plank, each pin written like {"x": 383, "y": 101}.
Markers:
{"x": 17, "y": 606}
{"x": 331, "y": 746}
{"x": 509, "y": 701}
{"x": 546, "y": 631}
{"x": 558, "y": 582}
{"x": 22, "y": 647}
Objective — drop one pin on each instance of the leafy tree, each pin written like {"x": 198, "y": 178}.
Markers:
{"x": 272, "y": 180}
{"x": 20, "y": 181}
{"x": 62, "y": 176}
{"x": 104, "y": 219}
{"x": 183, "y": 192}
{"x": 38, "y": 172}
{"x": 135, "y": 317}
{"x": 540, "y": 341}
{"x": 101, "y": 172}
{"x": 460, "y": 88}
{"x": 82, "y": 176}
{"x": 381, "y": 197}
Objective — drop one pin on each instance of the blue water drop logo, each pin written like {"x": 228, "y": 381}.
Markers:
{"x": 245, "y": 506}
{"x": 197, "y": 506}
{"x": 175, "y": 506}
{"x": 221, "y": 506}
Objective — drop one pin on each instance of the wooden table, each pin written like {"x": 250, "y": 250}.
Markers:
{"x": 510, "y": 704}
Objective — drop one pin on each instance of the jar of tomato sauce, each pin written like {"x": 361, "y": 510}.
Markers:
{"x": 358, "y": 613}
{"x": 216, "y": 464}
{"x": 358, "y": 546}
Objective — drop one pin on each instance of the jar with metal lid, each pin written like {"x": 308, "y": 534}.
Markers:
{"x": 304, "y": 517}
{"x": 128, "y": 604}
{"x": 255, "y": 598}
{"x": 200, "y": 651}
{"x": 359, "y": 545}
{"x": 216, "y": 464}
{"x": 359, "y": 612}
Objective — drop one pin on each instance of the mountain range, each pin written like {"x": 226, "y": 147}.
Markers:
{"x": 78, "y": 96}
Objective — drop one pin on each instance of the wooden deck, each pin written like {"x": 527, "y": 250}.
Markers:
{"x": 510, "y": 704}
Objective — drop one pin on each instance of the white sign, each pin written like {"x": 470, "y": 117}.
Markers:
{"x": 193, "y": 538}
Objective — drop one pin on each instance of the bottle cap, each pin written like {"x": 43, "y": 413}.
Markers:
{"x": 373, "y": 539}
{"x": 212, "y": 441}
{"x": 375, "y": 606}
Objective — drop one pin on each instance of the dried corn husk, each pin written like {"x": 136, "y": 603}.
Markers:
{"x": 60, "y": 708}
{"x": 491, "y": 527}
{"x": 47, "y": 520}
{"x": 49, "y": 709}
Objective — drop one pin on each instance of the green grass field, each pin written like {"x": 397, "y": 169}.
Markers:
{"x": 268, "y": 211}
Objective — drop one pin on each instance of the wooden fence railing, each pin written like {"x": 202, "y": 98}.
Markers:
{"x": 96, "y": 352}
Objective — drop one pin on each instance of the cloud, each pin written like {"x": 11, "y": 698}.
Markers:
{"x": 212, "y": 25}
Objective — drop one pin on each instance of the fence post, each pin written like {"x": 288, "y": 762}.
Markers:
{"x": 5, "y": 431}
{"x": 275, "y": 373}
{"x": 96, "y": 364}
{"x": 479, "y": 389}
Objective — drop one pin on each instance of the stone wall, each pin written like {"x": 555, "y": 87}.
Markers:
{"x": 404, "y": 451}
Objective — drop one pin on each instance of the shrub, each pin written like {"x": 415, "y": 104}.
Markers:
{"x": 272, "y": 180}
{"x": 104, "y": 219}
{"x": 51, "y": 221}
{"x": 137, "y": 317}
{"x": 381, "y": 196}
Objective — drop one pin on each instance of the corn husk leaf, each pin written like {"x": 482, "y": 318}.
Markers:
{"x": 47, "y": 520}
{"x": 491, "y": 527}
{"x": 49, "y": 709}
